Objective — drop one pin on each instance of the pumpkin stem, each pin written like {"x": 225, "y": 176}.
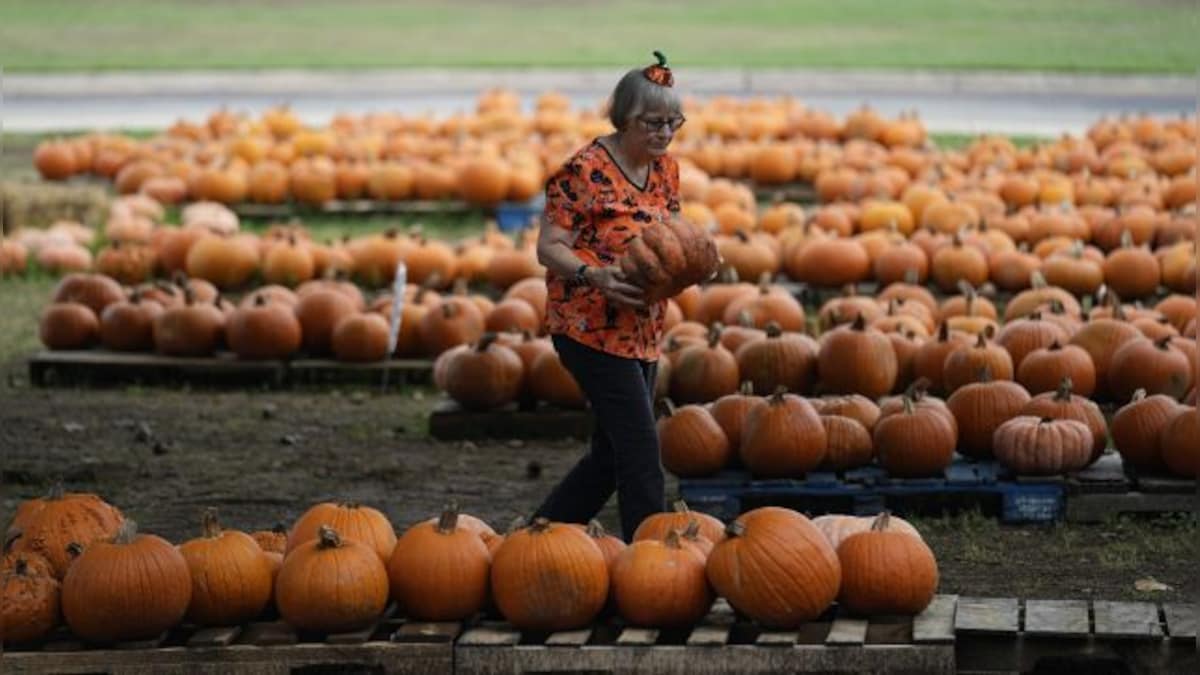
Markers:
{"x": 1046, "y": 420}
{"x": 74, "y": 549}
{"x": 449, "y": 310}
{"x": 989, "y": 331}
{"x": 1054, "y": 346}
{"x": 1127, "y": 238}
{"x": 448, "y": 521}
{"x": 944, "y": 332}
{"x": 692, "y": 531}
{"x": 980, "y": 341}
{"x": 919, "y": 388}
{"x": 10, "y": 538}
{"x": 714, "y": 335}
{"x": 1164, "y": 342}
{"x": 860, "y": 323}
{"x": 327, "y": 537}
{"x": 516, "y": 524}
{"x": 909, "y": 405}
{"x": 668, "y": 407}
{"x": 735, "y": 528}
{"x": 777, "y": 395}
{"x": 911, "y": 276}
{"x": 595, "y": 530}
{"x": 1037, "y": 281}
{"x": 746, "y": 388}
{"x": 881, "y": 522}
{"x": 1065, "y": 388}
{"x": 680, "y": 506}
{"x": 55, "y": 492}
{"x": 127, "y": 533}
{"x": 744, "y": 319}
{"x": 21, "y": 567}
{"x": 539, "y": 525}
{"x": 773, "y": 329}
{"x": 672, "y": 539}
{"x": 1138, "y": 395}
{"x": 485, "y": 342}
{"x": 209, "y": 523}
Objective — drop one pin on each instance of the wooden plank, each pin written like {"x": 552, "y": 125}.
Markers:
{"x": 1166, "y": 485}
{"x": 434, "y": 632}
{"x": 638, "y": 637}
{"x": 1181, "y": 621}
{"x": 1095, "y": 508}
{"x": 265, "y": 634}
{"x": 222, "y": 636}
{"x": 1057, "y": 618}
{"x": 352, "y": 637}
{"x": 709, "y": 636}
{"x": 501, "y": 635}
{"x": 847, "y": 630}
{"x": 569, "y": 638}
{"x": 987, "y": 615}
{"x": 935, "y": 625}
{"x": 133, "y": 645}
{"x": 776, "y": 638}
{"x": 1133, "y": 620}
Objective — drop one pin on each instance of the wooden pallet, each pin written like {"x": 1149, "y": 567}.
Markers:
{"x": 1074, "y": 636}
{"x": 1107, "y": 489}
{"x": 964, "y": 485}
{"x": 100, "y": 368}
{"x": 451, "y": 422}
{"x": 721, "y": 643}
{"x": 390, "y": 647}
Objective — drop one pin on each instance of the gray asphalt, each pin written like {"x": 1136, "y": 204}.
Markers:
{"x": 1012, "y": 103}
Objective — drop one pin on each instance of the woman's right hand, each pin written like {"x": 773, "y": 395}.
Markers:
{"x": 615, "y": 287}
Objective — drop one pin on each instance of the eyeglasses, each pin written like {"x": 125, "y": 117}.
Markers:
{"x": 652, "y": 124}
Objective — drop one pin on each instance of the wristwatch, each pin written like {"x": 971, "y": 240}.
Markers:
{"x": 580, "y": 276}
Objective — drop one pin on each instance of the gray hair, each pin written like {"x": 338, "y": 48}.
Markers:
{"x": 635, "y": 94}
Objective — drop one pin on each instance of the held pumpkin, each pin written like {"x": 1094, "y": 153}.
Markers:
{"x": 439, "y": 571}
{"x": 132, "y": 588}
{"x": 885, "y": 571}
{"x": 661, "y": 584}
{"x": 549, "y": 577}
{"x": 231, "y": 576}
{"x": 775, "y": 567}
{"x": 668, "y": 257}
{"x": 331, "y": 585}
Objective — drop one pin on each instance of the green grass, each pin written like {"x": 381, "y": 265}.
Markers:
{"x": 21, "y": 302}
{"x": 1068, "y": 35}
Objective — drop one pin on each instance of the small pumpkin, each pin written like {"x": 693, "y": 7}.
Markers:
{"x": 550, "y": 381}
{"x": 730, "y": 413}
{"x": 29, "y": 602}
{"x": 331, "y": 584}
{"x": 361, "y": 338}
{"x": 1043, "y": 446}
{"x": 351, "y": 520}
{"x": 693, "y": 444}
{"x": 915, "y": 442}
{"x": 856, "y": 359}
{"x": 1043, "y": 369}
{"x": 838, "y": 527}
{"x": 264, "y": 330}
{"x": 68, "y": 325}
{"x": 661, "y": 584}
{"x": 704, "y": 373}
{"x": 886, "y": 571}
{"x": 848, "y": 444}
{"x": 854, "y": 406}
{"x": 929, "y": 361}
{"x": 964, "y": 365}
{"x": 678, "y": 518}
{"x": 787, "y": 360}
{"x": 488, "y": 375}
{"x": 231, "y": 576}
{"x": 980, "y": 407}
{"x": 134, "y": 587}
{"x": 439, "y": 571}
{"x": 549, "y": 577}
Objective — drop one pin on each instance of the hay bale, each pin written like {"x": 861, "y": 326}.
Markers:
{"x": 38, "y": 205}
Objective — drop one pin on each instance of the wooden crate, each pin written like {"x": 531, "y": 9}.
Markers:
{"x": 1107, "y": 489}
{"x": 721, "y": 643}
{"x": 391, "y": 647}
{"x": 451, "y": 422}
{"x": 393, "y": 372}
{"x": 1010, "y": 635}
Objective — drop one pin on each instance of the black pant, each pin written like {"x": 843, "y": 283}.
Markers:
{"x": 624, "y": 456}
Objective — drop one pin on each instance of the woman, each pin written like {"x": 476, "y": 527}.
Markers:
{"x": 605, "y": 333}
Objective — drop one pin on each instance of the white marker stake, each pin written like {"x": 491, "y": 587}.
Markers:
{"x": 398, "y": 285}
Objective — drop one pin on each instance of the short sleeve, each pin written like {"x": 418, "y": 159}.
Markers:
{"x": 672, "y": 186}
{"x": 568, "y": 202}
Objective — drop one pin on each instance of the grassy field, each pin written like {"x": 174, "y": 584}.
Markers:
{"x": 1068, "y": 35}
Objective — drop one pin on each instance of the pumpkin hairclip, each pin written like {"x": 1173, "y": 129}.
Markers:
{"x": 659, "y": 73}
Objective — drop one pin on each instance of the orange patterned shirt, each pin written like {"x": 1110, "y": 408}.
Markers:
{"x": 591, "y": 196}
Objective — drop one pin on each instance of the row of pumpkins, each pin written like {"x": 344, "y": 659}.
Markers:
{"x": 915, "y": 434}
{"x": 75, "y": 556}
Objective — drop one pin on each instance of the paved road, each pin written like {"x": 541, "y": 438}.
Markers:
{"x": 1033, "y": 103}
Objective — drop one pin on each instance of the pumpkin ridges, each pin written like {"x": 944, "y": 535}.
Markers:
{"x": 439, "y": 570}
{"x": 331, "y": 584}
{"x": 231, "y": 577}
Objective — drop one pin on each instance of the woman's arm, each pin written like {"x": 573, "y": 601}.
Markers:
{"x": 554, "y": 252}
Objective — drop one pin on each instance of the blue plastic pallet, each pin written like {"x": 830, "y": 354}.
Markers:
{"x": 869, "y": 490}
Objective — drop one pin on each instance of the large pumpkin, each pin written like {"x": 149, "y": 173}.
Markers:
{"x": 886, "y": 572}
{"x": 784, "y": 438}
{"x": 231, "y": 575}
{"x": 351, "y": 520}
{"x": 549, "y": 577}
{"x": 775, "y": 567}
{"x": 331, "y": 585}
{"x": 661, "y": 584}
{"x": 668, "y": 257}
{"x": 1158, "y": 367}
{"x": 133, "y": 588}
{"x": 439, "y": 570}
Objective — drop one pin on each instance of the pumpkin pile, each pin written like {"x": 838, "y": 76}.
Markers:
{"x": 338, "y": 566}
